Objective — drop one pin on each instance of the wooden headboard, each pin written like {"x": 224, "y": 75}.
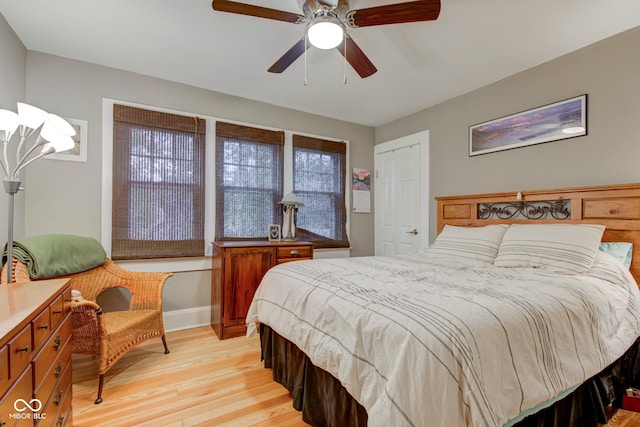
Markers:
{"x": 615, "y": 206}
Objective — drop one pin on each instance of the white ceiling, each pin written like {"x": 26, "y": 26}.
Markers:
{"x": 473, "y": 43}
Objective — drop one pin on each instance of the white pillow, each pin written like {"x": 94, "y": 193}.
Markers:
{"x": 560, "y": 248}
{"x": 478, "y": 243}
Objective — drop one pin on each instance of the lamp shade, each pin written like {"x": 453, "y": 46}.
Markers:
{"x": 30, "y": 116}
{"x": 63, "y": 143}
{"x": 57, "y": 138}
{"x": 8, "y": 123}
{"x": 61, "y": 124}
{"x": 325, "y": 32}
{"x": 291, "y": 200}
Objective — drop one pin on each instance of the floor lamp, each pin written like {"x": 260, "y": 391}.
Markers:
{"x": 52, "y": 134}
{"x": 290, "y": 204}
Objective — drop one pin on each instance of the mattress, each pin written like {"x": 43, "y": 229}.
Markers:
{"x": 423, "y": 340}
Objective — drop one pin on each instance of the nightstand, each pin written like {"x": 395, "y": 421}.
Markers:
{"x": 237, "y": 269}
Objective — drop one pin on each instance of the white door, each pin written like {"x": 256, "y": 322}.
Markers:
{"x": 401, "y": 195}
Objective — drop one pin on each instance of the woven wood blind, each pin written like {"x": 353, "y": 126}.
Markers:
{"x": 319, "y": 181}
{"x": 158, "y": 184}
{"x": 249, "y": 176}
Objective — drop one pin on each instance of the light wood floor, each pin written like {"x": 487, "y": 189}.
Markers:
{"x": 202, "y": 382}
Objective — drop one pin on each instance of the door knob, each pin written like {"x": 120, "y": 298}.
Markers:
{"x": 414, "y": 231}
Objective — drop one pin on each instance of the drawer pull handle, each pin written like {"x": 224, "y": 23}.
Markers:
{"x": 58, "y": 370}
{"x": 60, "y": 421}
{"x": 45, "y": 326}
{"x": 25, "y": 348}
{"x": 294, "y": 252}
{"x": 56, "y": 401}
{"x": 57, "y": 311}
{"x": 56, "y": 343}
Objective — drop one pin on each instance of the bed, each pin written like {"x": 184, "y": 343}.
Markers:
{"x": 518, "y": 314}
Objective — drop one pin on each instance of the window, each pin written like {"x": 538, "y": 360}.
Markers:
{"x": 249, "y": 171}
{"x": 319, "y": 168}
{"x": 158, "y": 184}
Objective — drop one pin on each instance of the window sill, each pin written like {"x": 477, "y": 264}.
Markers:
{"x": 178, "y": 265}
{"x": 174, "y": 265}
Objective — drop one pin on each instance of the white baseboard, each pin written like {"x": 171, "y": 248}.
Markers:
{"x": 177, "y": 320}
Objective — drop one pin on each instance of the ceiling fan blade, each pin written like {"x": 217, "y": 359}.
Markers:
{"x": 356, "y": 57}
{"x": 257, "y": 11}
{"x": 412, "y": 11}
{"x": 289, "y": 57}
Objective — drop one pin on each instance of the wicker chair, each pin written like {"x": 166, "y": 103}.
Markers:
{"x": 110, "y": 335}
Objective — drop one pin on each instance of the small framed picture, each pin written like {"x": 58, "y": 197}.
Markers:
{"x": 79, "y": 152}
{"x": 274, "y": 232}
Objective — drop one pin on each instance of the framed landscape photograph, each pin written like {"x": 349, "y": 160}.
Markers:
{"x": 553, "y": 122}
{"x": 79, "y": 152}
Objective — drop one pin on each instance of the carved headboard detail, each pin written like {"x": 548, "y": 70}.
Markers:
{"x": 617, "y": 207}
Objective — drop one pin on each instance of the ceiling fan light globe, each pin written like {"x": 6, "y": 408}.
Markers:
{"x": 325, "y": 34}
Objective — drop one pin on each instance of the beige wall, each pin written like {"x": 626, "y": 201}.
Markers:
{"x": 607, "y": 71}
{"x": 65, "y": 197}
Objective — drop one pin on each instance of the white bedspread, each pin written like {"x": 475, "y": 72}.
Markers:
{"x": 425, "y": 342}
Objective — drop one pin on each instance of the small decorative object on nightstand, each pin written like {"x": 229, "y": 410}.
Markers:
{"x": 290, "y": 204}
{"x": 274, "y": 232}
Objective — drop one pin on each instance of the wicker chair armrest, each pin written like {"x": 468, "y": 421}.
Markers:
{"x": 145, "y": 288}
{"x": 81, "y": 304}
{"x": 88, "y": 326}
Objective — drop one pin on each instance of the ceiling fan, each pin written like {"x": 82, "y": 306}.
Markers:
{"x": 334, "y": 16}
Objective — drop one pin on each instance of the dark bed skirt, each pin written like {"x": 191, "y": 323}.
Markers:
{"x": 324, "y": 402}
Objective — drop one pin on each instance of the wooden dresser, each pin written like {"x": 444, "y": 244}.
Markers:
{"x": 35, "y": 354}
{"x": 238, "y": 268}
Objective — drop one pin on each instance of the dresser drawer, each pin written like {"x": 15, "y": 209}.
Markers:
{"x": 4, "y": 369}
{"x": 49, "y": 353}
{"x": 21, "y": 390}
{"x": 41, "y": 328}
{"x": 57, "y": 309}
{"x": 293, "y": 253}
{"x": 48, "y": 382}
{"x": 20, "y": 352}
{"x": 60, "y": 398}
{"x": 64, "y": 415}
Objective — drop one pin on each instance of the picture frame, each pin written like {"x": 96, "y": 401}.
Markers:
{"x": 274, "y": 232}
{"x": 553, "y": 122}
{"x": 79, "y": 152}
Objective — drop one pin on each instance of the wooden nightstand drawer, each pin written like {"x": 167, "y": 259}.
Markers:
{"x": 293, "y": 252}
